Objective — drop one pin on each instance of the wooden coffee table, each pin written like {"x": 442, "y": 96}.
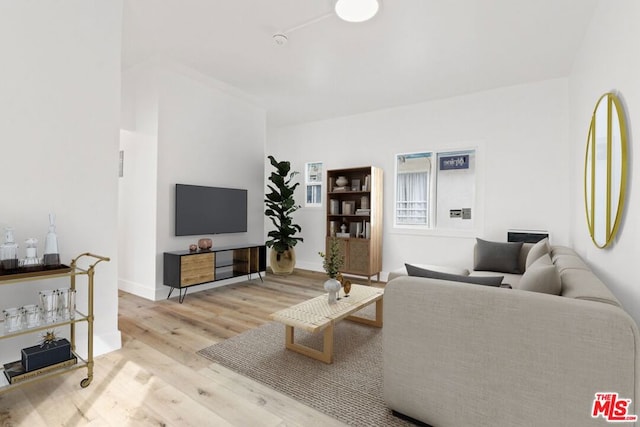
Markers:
{"x": 317, "y": 315}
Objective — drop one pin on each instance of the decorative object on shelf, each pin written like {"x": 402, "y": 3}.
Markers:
{"x": 51, "y": 257}
{"x": 16, "y": 373}
{"x": 605, "y": 170}
{"x": 364, "y": 204}
{"x": 9, "y": 251}
{"x": 346, "y": 286}
{"x": 333, "y": 260}
{"x": 51, "y": 351}
{"x": 280, "y": 207}
{"x": 342, "y": 181}
{"x": 31, "y": 252}
{"x": 193, "y": 247}
{"x": 205, "y": 244}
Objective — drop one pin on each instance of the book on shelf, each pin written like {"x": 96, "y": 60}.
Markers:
{"x": 363, "y": 211}
{"x": 367, "y": 183}
{"x": 16, "y": 373}
{"x": 334, "y": 207}
{"x": 338, "y": 189}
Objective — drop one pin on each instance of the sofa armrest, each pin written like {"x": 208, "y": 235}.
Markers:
{"x": 461, "y": 354}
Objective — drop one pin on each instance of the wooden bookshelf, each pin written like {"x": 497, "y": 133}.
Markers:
{"x": 356, "y": 208}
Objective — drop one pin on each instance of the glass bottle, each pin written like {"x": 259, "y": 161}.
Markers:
{"x": 9, "y": 251}
{"x": 31, "y": 252}
{"x": 51, "y": 253}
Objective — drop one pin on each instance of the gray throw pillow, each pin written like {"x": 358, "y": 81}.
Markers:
{"x": 497, "y": 256}
{"x": 542, "y": 276}
{"x": 539, "y": 249}
{"x": 412, "y": 270}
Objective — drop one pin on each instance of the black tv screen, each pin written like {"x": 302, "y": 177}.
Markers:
{"x": 210, "y": 210}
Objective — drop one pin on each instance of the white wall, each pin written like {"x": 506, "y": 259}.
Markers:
{"x": 606, "y": 62}
{"x": 207, "y": 133}
{"x": 59, "y": 121}
{"x": 523, "y": 174}
{"x": 137, "y": 214}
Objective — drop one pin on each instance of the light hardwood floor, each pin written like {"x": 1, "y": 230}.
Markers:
{"x": 157, "y": 379}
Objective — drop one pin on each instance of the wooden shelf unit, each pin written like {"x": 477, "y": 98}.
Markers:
{"x": 71, "y": 272}
{"x": 363, "y": 253}
{"x": 183, "y": 269}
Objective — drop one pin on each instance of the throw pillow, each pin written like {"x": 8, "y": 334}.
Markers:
{"x": 539, "y": 249}
{"x": 541, "y": 276}
{"x": 497, "y": 256}
{"x": 414, "y": 271}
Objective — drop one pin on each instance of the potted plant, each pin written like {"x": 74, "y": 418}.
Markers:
{"x": 332, "y": 263}
{"x": 280, "y": 206}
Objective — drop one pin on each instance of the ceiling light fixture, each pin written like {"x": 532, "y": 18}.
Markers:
{"x": 356, "y": 10}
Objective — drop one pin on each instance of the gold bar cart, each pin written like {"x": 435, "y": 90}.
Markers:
{"x": 71, "y": 271}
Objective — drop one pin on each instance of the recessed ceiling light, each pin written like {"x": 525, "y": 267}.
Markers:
{"x": 356, "y": 10}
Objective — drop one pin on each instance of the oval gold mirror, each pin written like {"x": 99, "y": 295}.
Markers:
{"x": 605, "y": 170}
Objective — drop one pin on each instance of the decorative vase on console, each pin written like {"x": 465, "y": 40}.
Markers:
{"x": 333, "y": 261}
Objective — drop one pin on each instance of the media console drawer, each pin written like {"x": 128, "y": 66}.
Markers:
{"x": 198, "y": 268}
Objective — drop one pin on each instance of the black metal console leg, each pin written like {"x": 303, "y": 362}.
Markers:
{"x": 260, "y": 276}
{"x": 181, "y": 299}
{"x": 169, "y": 296}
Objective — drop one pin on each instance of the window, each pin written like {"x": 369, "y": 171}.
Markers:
{"x": 313, "y": 184}
{"x": 413, "y": 179}
{"x": 435, "y": 189}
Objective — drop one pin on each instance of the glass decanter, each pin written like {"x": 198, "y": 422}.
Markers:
{"x": 31, "y": 252}
{"x": 51, "y": 253}
{"x": 9, "y": 251}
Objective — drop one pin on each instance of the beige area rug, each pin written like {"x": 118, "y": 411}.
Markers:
{"x": 349, "y": 390}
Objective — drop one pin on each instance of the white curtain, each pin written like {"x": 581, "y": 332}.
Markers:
{"x": 411, "y": 198}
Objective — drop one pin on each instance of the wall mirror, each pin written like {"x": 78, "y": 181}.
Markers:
{"x": 605, "y": 169}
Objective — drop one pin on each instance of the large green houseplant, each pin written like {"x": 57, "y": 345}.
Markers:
{"x": 280, "y": 207}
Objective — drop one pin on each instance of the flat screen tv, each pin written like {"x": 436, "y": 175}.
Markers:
{"x": 210, "y": 210}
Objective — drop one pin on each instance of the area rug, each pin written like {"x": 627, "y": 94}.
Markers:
{"x": 349, "y": 390}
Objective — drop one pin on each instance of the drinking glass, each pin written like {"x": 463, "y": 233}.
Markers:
{"x": 66, "y": 303}
{"x": 31, "y": 315}
{"x": 12, "y": 319}
{"x": 49, "y": 301}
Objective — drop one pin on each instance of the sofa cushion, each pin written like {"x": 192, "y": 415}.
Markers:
{"x": 497, "y": 256}
{"x": 430, "y": 274}
{"x": 443, "y": 269}
{"x": 541, "y": 276}
{"x": 510, "y": 278}
{"x": 539, "y": 249}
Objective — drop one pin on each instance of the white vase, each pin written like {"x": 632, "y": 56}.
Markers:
{"x": 342, "y": 181}
{"x": 332, "y": 286}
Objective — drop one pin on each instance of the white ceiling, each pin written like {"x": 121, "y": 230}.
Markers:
{"x": 412, "y": 51}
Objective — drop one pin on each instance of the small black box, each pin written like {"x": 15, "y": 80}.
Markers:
{"x": 37, "y": 357}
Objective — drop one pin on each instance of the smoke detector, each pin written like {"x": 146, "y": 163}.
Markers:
{"x": 280, "y": 39}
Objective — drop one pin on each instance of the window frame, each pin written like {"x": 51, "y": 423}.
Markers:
{"x": 432, "y": 227}
{"x": 312, "y": 183}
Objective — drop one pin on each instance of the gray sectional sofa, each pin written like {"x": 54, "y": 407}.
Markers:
{"x": 463, "y": 354}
